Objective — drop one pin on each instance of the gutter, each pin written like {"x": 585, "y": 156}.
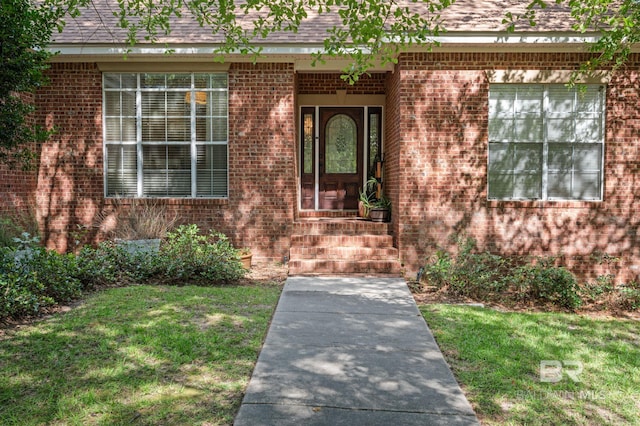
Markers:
{"x": 304, "y": 49}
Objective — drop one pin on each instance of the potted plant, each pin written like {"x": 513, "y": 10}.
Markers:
{"x": 364, "y": 203}
{"x": 139, "y": 226}
{"x": 245, "y": 257}
{"x": 380, "y": 210}
{"x": 367, "y": 197}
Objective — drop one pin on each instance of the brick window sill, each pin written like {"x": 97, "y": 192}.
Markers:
{"x": 544, "y": 204}
{"x": 169, "y": 201}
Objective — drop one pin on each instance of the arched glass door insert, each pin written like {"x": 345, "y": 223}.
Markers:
{"x": 341, "y": 145}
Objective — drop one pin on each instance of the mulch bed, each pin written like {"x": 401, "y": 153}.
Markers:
{"x": 425, "y": 295}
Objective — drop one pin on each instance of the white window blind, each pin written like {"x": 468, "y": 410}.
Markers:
{"x": 545, "y": 142}
{"x": 166, "y": 135}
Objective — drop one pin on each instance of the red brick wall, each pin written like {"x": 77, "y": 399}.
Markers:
{"x": 392, "y": 149}
{"x": 435, "y": 168}
{"x": 17, "y": 186}
{"x": 259, "y": 210}
{"x": 262, "y": 185}
{"x": 70, "y": 178}
{"x": 328, "y": 83}
{"x": 443, "y": 143}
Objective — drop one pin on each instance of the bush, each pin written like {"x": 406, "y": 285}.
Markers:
{"x": 490, "y": 277}
{"x": 15, "y": 223}
{"x": 20, "y": 293}
{"x": 112, "y": 263}
{"x": 547, "y": 284}
{"x": 479, "y": 275}
{"x": 629, "y": 296}
{"x": 32, "y": 277}
{"x": 603, "y": 288}
{"x": 187, "y": 255}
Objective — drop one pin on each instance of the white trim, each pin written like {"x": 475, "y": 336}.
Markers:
{"x": 176, "y": 49}
{"x": 193, "y": 144}
{"x": 139, "y": 151}
{"x": 153, "y": 65}
{"x": 365, "y": 148}
{"x": 305, "y": 49}
{"x": 530, "y": 76}
{"x": 544, "y": 142}
{"x": 316, "y": 160}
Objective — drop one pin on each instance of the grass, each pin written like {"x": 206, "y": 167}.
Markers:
{"x": 140, "y": 355}
{"x": 496, "y": 357}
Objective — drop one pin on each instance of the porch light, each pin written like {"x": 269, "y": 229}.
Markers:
{"x": 201, "y": 98}
{"x": 378, "y": 175}
{"x": 308, "y": 124}
{"x": 378, "y": 169}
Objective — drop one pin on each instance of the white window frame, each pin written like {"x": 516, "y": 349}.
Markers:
{"x": 193, "y": 143}
{"x": 545, "y": 142}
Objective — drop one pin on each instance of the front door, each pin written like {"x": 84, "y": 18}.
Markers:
{"x": 340, "y": 158}
{"x": 333, "y": 154}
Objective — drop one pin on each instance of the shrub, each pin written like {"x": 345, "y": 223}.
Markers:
{"x": 20, "y": 293}
{"x": 15, "y": 223}
{"x": 605, "y": 293}
{"x": 57, "y": 272}
{"x": 111, "y": 263}
{"x": 602, "y": 287}
{"x": 439, "y": 270}
{"x": 629, "y": 296}
{"x": 32, "y": 277}
{"x": 186, "y": 254}
{"x": 547, "y": 284}
{"x": 490, "y": 277}
{"x": 479, "y": 275}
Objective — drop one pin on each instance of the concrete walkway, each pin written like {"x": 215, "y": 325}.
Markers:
{"x": 351, "y": 351}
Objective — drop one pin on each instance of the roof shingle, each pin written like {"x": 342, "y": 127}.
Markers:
{"x": 99, "y": 25}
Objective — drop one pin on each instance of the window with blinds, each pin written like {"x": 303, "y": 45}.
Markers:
{"x": 546, "y": 142}
{"x": 166, "y": 135}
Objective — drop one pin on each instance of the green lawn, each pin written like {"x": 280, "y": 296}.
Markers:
{"x": 141, "y": 355}
{"x": 496, "y": 357}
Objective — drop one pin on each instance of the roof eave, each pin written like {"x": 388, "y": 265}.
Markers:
{"x": 292, "y": 52}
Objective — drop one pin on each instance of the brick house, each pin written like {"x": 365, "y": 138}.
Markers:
{"x": 478, "y": 137}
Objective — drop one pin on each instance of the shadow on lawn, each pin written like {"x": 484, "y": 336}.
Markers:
{"x": 496, "y": 356}
{"x": 137, "y": 355}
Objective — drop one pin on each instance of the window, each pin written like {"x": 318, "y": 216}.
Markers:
{"x": 375, "y": 117}
{"x": 546, "y": 142}
{"x": 166, "y": 135}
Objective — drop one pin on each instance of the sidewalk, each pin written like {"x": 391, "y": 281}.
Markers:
{"x": 351, "y": 351}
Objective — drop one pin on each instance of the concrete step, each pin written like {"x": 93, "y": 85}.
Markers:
{"x": 327, "y": 266}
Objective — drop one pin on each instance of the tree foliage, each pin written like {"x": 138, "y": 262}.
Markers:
{"x": 366, "y": 31}
{"x": 617, "y": 22}
{"x": 25, "y": 32}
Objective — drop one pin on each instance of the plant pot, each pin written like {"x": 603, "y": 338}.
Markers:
{"x": 245, "y": 259}
{"x": 363, "y": 211}
{"x": 133, "y": 247}
{"x": 379, "y": 215}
